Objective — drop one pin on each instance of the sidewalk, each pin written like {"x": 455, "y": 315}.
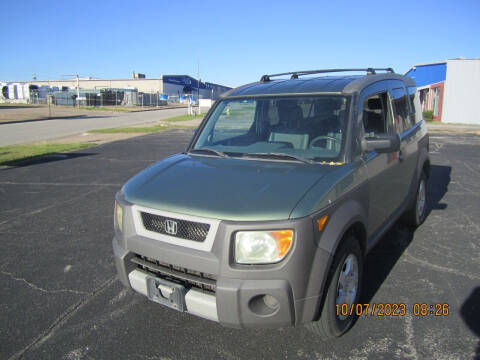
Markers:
{"x": 453, "y": 128}
{"x": 28, "y": 132}
{"x": 102, "y": 138}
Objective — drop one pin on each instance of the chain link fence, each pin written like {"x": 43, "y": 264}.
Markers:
{"x": 110, "y": 97}
{"x": 105, "y": 97}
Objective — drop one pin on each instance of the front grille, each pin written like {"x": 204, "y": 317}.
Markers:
{"x": 186, "y": 277}
{"x": 184, "y": 229}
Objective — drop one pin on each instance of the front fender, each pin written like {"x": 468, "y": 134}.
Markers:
{"x": 341, "y": 219}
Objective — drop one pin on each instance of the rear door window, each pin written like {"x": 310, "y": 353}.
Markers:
{"x": 415, "y": 106}
{"x": 401, "y": 109}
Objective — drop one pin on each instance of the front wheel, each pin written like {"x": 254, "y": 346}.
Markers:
{"x": 343, "y": 292}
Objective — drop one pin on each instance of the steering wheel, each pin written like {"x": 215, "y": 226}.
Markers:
{"x": 324, "y": 137}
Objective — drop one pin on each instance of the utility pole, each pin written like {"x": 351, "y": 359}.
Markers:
{"x": 78, "y": 86}
{"x": 78, "y": 90}
{"x": 198, "y": 87}
{"x": 49, "y": 101}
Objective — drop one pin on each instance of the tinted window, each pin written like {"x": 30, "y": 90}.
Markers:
{"x": 416, "y": 107}
{"x": 411, "y": 98}
{"x": 401, "y": 109}
{"x": 376, "y": 115}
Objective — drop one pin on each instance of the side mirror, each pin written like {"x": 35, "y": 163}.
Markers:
{"x": 382, "y": 143}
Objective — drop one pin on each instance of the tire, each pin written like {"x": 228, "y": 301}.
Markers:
{"x": 415, "y": 216}
{"x": 331, "y": 325}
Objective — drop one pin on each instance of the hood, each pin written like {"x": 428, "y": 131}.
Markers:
{"x": 224, "y": 188}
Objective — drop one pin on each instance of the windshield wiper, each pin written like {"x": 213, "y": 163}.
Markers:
{"x": 208, "y": 150}
{"x": 280, "y": 156}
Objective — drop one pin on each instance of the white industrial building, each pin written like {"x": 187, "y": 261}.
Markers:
{"x": 174, "y": 86}
{"x": 449, "y": 89}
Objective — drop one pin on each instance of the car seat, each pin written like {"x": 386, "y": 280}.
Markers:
{"x": 373, "y": 119}
{"x": 285, "y": 120}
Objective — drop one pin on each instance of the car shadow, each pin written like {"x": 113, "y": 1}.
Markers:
{"x": 383, "y": 257}
{"x": 8, "y": 107}
{"x": 438, "y": 186}
{"x": 72, "y": 117}
{"x": 470, "y": 312}
{"x": 41, "y": 159}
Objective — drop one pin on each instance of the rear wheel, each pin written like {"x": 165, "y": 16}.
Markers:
{"x": 343, "y": 292}
{"x": 415, "y": 216}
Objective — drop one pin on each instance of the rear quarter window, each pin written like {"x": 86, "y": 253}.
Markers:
{"x": 403, "y": 121}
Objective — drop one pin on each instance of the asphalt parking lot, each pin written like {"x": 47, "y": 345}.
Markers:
{"x": 60, "y": 298}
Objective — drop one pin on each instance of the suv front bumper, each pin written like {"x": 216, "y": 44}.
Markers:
{"x": 286, "y": 293}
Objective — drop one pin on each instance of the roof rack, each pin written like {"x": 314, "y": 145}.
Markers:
{"x": 296, "y": 74}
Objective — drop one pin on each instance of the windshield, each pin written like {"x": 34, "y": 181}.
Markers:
{"x": 309, "y": 127}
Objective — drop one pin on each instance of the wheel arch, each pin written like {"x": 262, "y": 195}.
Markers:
{"x": 426, "y": 168}
{"x": 423, "y": 163}
{"x": 359, "y": 232}
{"x": 355, "y": 225}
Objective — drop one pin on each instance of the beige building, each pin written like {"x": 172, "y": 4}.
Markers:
{"x": 142, "y": 85}
{"x": 172, "y": 85}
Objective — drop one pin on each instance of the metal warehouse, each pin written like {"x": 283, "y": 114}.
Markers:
{"x": 449, "y": 89}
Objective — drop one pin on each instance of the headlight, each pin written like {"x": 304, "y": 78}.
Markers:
{"x": 119, "y": 215}
{"x": 260, "y": 247}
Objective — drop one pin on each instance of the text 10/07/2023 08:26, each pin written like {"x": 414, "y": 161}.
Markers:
{"x": 393, "y": 309}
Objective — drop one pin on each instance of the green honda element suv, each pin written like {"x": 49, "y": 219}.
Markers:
{"x": 267, "y": 216}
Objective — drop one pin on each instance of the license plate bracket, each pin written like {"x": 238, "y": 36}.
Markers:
{"x": 166, "y": 293}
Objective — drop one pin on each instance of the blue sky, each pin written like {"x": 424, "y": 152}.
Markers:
{"x": 235, "y": 42}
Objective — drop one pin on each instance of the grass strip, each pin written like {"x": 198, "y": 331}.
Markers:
{"x": 151, "y": 129}
{"x": 110, "y": 108}
{"x": 16, "y": 154}
{"x": 143, "y": 130}
{"x": 185, "y": 117}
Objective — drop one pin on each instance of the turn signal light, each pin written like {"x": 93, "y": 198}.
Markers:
{"x": 321, "y": 222}
{"x": 284, "y": 240}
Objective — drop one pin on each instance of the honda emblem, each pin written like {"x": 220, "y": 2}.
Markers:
{"x": 171, "y": 227}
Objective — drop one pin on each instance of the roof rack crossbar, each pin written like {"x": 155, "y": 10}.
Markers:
{"x": 296, "y": 74}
